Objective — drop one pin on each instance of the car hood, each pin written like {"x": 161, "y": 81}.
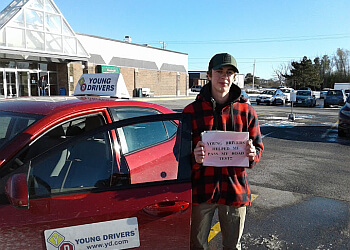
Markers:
{"x": 303, "y": 97}
{"x": 265, "y": 95}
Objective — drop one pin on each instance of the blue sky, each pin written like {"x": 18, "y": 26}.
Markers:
{"x": 270, "y": 32}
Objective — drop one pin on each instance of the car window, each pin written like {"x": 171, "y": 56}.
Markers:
{"x": 140, "y": 136}
{"x": 72, "y": 167}
{"x": 268, "y": 92}
{"x": 85, "y": 164}
{"x": 11, "y": 124}
{"x": 304, "y": 93}
{"x": 335, "y": 93}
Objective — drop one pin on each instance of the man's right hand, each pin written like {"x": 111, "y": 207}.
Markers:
{"x": 199, "y": 152}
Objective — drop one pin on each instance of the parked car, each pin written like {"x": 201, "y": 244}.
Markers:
{"x": 196, "y": 88}
{"x": 334, "y": 97}
{"x": 245, "y": 96}
{"x": 287, "y": 91}
{"x": 271, "y": 96}
{"x": 89, "y": 170}
{"x": 323, "y": 94}
{"x": 344, "y": 119}
{"x": 305, "y": 98}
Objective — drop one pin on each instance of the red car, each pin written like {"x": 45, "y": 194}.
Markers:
{"x": 93, "y": 172}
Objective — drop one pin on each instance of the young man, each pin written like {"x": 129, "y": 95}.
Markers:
{"x": 219, "y": 107}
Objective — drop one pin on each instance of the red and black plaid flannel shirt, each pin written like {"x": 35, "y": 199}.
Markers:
{"x": 222, "y": 185}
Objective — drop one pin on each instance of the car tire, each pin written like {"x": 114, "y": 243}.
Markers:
{"x": 325, "y": 105}
{"x": 274, "y": 102}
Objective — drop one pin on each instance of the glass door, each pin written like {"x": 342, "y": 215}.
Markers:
{"x": 43, "y": 84}
{"x": 34, "y": 87}
{"x": 11, "y": 84}
{"x": 2, "y": 86}
{"x": 53, "y": 84}
{"x": 23, "y": 84}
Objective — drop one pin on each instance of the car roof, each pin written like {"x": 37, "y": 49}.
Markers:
{"x": 49, "y": 105}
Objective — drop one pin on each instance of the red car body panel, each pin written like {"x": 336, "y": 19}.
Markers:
{"x": 162, "y": 206}
{"x": 23, "y": 229}
{"x": 153, "y": 164}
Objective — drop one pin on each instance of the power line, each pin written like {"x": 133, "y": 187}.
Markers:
{"x": 263, "y": 40}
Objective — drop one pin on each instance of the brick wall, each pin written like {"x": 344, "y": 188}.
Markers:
{"x": 160, "y": 82}
{"x": 75, "y": 70}
{"x": 62, "y": 76}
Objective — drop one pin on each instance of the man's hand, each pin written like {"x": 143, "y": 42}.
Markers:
{"x": 199, "y": 152}
{"x": 251, "y": 151}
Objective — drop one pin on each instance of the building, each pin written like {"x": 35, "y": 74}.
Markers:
{"x": 197, "y": 78}
{"x": 39, "y": 48}
{"x": 201, "y": 78}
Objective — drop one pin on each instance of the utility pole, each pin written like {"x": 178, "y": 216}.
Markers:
{"x": 253, "y": 74}
{"x": 163, "y": 44}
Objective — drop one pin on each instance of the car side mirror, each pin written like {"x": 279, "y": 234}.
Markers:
{"x": 16, "y": 190}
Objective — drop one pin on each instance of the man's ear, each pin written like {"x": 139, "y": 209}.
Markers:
{"x": 209, "y": 74}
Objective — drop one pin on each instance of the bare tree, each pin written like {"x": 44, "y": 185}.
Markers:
{"x": 280, "y": 73}
{"x": 341, "y": 62}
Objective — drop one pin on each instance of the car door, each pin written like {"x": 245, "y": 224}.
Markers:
{"x": 146, "y": 147}
{"x": 80, "y": 194}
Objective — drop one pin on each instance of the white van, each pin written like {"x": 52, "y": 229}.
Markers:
{"x": 287, "y": 91}
{"x": 196, "y": 88}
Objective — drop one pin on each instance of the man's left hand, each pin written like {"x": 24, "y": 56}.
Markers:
{"x": 251, "y": 151}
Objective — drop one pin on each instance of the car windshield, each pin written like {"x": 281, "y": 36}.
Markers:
{"x": 11, "y": 124}
{"x": 268, "y": 92}
{"x": 334, "y": 92}
{"x": 304, "y": 93}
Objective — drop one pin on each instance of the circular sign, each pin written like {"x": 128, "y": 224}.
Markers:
{"x": 83, "y": 87}
{"x": 67, "y": 246}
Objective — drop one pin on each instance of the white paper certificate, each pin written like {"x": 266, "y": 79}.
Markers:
{"x": 225, "y": 148}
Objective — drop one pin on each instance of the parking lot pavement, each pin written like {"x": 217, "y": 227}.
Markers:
{"x": 285, "y": 220}
{"x": 301, "y": 182}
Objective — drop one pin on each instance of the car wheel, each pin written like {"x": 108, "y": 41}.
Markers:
{"x": 325, "y": 105}
{"x": 274, "y": 102}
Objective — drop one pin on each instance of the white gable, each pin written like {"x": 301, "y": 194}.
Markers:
{"x": 37, "y": 27}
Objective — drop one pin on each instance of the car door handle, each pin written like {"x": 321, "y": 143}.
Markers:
{"x": 166, "y": 208}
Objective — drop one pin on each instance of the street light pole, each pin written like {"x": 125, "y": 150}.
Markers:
{"x": 253, "y": 74}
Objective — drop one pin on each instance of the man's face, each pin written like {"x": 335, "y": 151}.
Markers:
{"x": 221, "y": 79}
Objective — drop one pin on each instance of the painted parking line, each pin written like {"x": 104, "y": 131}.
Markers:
{"x": 216, "y": 228}
{"x": 329, "y": 130}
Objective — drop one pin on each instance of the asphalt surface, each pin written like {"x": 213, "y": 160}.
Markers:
{"x": 301, "y": 184}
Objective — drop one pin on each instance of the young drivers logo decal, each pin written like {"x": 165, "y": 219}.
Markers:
{"x": 82, "y": 84}
{"x": 115, "y": 234}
